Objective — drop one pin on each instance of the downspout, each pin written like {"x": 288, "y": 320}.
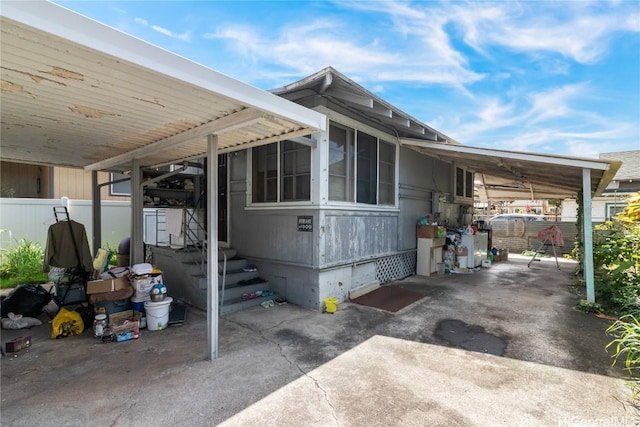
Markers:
{"x": 588, "y": 235}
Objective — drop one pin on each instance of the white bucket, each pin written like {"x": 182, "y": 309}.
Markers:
{"x": 462, "y": 263}
{"x": 157, "y": 314}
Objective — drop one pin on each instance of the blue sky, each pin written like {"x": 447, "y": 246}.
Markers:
{"x": 546, "y": 77}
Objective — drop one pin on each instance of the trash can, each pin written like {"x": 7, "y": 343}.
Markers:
{"x": 331, "y": 304}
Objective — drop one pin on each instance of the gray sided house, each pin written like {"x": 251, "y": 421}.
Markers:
{"x": 325, "y": 214}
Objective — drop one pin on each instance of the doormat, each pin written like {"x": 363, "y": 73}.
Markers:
{"x": 389, "y": 298}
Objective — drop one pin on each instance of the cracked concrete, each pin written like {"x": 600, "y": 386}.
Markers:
{"x": 289, "y": 366}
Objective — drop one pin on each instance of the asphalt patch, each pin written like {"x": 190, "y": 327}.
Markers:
{"x": 469, "y": 337}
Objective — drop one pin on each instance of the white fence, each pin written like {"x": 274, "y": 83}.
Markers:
{"x": 22, "y": 218}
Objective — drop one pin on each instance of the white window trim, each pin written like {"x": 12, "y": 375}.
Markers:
{"x": 111, "y": 190}
{"x": 251, "y": 205}
{"x": 340, "y": 119}
{"x": 319, "y": 197}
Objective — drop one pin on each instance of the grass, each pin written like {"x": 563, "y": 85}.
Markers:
{"x": 22, "y": 264}
{"x": 13, "y": 281}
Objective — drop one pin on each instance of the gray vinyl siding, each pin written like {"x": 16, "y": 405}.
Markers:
{"x": 420, "y": 178}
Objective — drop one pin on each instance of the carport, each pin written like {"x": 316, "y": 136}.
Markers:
{"x": 512, "y": 175}
{"x": 77, "y": 93}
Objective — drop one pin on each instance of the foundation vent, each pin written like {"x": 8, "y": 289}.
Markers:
{"x": 396, "y": 267}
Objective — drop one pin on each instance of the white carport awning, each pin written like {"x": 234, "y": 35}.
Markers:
{"x": 77, "y": 93}
{"x": 512, "y": 175}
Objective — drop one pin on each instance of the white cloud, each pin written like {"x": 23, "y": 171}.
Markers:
{"x": 577, "y": 30}
{"x": 532, "y": 121}
{"x": 185, "y": 36}
{"x": 423, "y": 56}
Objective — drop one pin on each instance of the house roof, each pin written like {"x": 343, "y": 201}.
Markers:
{"x": 330, "y": 83}
{"x": 504, "y": 175}
{"x": 78, "y": 93}
{"x": 630, "y": 169}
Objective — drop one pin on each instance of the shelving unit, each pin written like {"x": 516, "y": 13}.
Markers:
{"x": 165, "y": 189}
{"x": 169, "y": 189}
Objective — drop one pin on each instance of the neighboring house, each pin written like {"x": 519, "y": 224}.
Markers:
{"x": 613, "y": 199}
{"x": 47, "y": 182}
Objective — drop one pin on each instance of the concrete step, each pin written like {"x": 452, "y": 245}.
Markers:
{"x": 231, "y": 279}
{"x": 191, "y": 253}
{"x": 243, "y": 304}
{"x": 231, "y": 253}
{"x": 235, "y": 292}
{"x": 234, "y": 277}
{"x": 233, "y": 264}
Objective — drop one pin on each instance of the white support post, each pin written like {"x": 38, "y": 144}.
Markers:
{"x": 136, "y": 250}
{"x": 587, "y": 228}
{"x": 212, "y": 246}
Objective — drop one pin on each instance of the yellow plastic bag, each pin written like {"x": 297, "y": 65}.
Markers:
{"x": 66, "y": 323}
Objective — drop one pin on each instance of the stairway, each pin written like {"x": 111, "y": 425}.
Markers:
{"x": 241, "y": 283}
{"x": 185, "y": 274}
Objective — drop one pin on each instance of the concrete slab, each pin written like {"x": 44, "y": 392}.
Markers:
{"x": 501, "y": 346}
{"x": 388, "y": 381}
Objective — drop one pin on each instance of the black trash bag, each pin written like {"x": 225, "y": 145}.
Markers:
{"x": 28, "y": 300}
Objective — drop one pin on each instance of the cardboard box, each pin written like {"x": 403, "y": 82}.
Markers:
{"x": 107, "y": 285}
{"x": 427, "y": 231}
{"x": 143, "y": 284}
{"x": 123, "y": 322}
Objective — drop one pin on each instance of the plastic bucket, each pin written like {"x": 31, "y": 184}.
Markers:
{"x": 462, "y": 262}
{"x": 157, "y": 314}
{"x": 331, "y": 304}
{"x": 440, "y": 267}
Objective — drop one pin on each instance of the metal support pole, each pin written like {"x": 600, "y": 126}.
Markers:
{"x": 136, "y": 249}
{"x": 588, "y": 235}
{"x": 212, "y": 246}
{"x": 96, "y": 212}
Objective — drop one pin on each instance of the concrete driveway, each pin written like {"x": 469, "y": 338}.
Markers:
{"x": 497, "y": 347}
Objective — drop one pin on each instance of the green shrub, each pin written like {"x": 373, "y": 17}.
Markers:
{"x": 616, "y": 259}
{"x": 626, "y": 331}
{"x": 113, "y": 259}
{"x": 22, "y": 264}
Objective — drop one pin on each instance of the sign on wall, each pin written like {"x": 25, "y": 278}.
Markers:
{"x": 305, "y": 223}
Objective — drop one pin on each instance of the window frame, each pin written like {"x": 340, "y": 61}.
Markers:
{"x": 279, "y": 176}
{"x": 618, "y": 206}
{"x": 375, "y": 135}
{"x": 113, "y": 177}
{"x": 349, "y": 155}
{"x": 463, "y": 188}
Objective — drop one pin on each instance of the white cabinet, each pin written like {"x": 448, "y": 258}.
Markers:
{"x": 429, "y": 254}
{"x": 476, "y": 245}
{"x": 155, "y": 227}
